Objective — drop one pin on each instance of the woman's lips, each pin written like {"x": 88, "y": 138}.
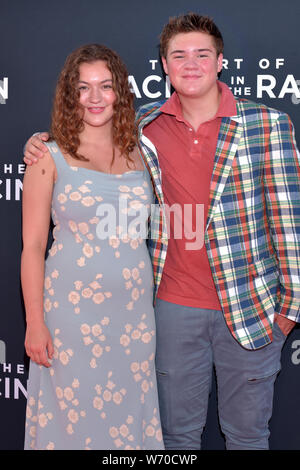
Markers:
{"x": 96, "y": 110}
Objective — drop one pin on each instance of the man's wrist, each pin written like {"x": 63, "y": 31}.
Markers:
{"x": 285, "y": 324}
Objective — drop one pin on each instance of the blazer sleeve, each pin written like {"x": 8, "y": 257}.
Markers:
{"x": 282, "y": 196}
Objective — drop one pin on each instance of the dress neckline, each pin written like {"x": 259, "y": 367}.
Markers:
{"x": 76, "y": 168}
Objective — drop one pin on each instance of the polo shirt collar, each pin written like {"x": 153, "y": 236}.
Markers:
{"x": 227, "y": 106}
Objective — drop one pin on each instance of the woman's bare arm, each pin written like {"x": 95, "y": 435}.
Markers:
{"x": 36, "y": 207}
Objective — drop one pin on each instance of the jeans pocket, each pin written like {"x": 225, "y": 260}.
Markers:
{"x": 258, "y": 402}
{"x": 265, "y": 378}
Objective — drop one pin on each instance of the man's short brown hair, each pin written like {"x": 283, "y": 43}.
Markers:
{"x": 187, "y": 24}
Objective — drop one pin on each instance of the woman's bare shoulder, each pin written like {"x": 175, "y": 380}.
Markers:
{"x": 45, "y": 166}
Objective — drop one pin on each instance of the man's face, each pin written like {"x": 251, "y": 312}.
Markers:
{"x": 192, "y": 64}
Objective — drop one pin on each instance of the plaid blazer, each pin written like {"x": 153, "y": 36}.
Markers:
{"x": 253, "y": 227}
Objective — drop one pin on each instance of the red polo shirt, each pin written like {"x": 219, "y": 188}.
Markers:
{"x": 186, "y": 159}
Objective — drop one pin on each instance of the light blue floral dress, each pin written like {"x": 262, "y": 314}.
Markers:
{"x": 100, "y": 391}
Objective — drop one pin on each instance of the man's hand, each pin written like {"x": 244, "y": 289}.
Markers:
{"x": 35, "y": 149}
{"x": 285, "y": 324}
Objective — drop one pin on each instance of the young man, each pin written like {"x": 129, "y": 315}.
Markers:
{"x": 231, "y": 303}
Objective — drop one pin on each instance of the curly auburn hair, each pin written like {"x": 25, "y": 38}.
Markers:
{"x": 191, "y": 22}
{"x": 67, "y": 122}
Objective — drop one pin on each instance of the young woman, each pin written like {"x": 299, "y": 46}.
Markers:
{"x": 90, "y": 321}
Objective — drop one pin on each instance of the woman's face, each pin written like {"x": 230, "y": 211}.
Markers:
{"x": 96, "y": 94}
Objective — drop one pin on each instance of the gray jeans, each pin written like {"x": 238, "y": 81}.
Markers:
{"x": 189, "y": 342}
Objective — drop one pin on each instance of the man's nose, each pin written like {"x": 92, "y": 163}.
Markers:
{"x": 191, "y": 62}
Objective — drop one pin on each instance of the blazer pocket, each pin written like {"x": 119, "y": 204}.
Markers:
{"x": 262, "y": 266}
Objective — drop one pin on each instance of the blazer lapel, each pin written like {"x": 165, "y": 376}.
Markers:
{"x": 228, "y": 140}
{"x": 148, "y": 152}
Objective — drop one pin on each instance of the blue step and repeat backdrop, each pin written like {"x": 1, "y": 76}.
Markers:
{"x": 262, "y": 63}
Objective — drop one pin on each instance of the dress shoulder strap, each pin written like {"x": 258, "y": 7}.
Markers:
{"x": 57, "y": 155}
